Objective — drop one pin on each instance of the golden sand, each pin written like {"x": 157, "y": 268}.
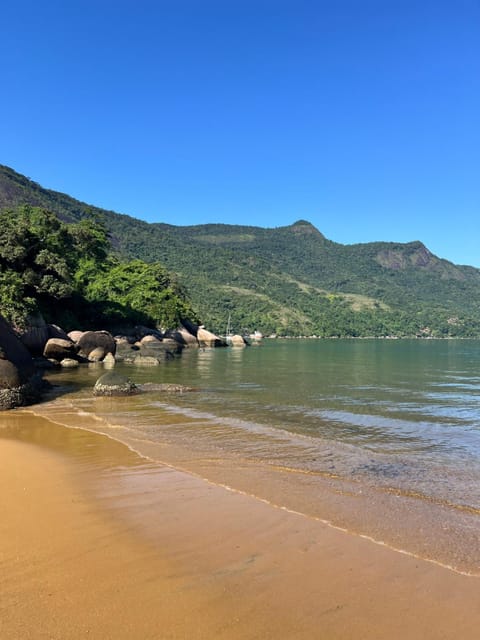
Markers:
{"x": 96, "y": 542}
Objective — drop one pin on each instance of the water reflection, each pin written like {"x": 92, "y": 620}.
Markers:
{"x": 369, "y": 403}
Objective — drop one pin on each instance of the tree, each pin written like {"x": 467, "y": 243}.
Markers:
{"x": 67, "y": 271}
{"x": 140, "y": 290}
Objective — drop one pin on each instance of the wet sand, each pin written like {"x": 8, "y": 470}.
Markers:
{"x": 97, "y": 542}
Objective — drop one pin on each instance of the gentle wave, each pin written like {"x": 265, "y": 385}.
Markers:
{"x": 399, "y": 422}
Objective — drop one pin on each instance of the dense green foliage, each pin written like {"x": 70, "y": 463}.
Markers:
{"x": 287, "y": 280}
{"x": 66, "y": 273}
{"x": 134, "y": 290}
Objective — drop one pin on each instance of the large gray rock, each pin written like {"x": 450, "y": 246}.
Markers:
{"x": 55, "y": 331}
{"x": 10, "y": 375}
{"x": 97, "y": 354}
{"x": 75, "y": 335}
{"x": 190, "y": 327}
{"x": 25, "y": 394}
{"x": 149, "y": 339}
{"x": 204, "y": 337}
{"x": 69, "y": 363}
{"x": 163, "y": 350}
{"x": 13, "y": 349}
{"x": 237, "y": 341}
{"x": 58, "y": 349}
{"x": 36, "y": 337}
{"x": 208, "y": 339}
{"x": 35, "y": 340}
{"x": 96, "y": 339}
{"x": 140, "y": 332}
{"x": 19, "y": 382}
{"x": 187, "y": 338}
{"x": 114, "y": 384}
{"x": 109, "y": 361}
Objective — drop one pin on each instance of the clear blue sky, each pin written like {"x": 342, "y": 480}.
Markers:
{"x": 360, "y": 116}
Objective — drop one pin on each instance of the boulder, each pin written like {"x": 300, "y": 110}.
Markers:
{"x": 126, "y": 351}
{"x": 109, "y": 360}
{"x": 180, "y": 336}
{"x": 190, "y": 327}
{"x": 186, "y": 337}
{"x": 37, "y": 337}
{"x": 141, "y": 332}
{"x": 19, "y": 382}
{"x": 238, "y": 341}
{"x": 204, "y": 337}
{"x": 69, "y": 363}
{"x": 161, "y": 349}
{"x": 93, "y": 339}
{"x": 209, "y": 339}
{"x": 97, "y": 354}
{"x": 13, "y": 349}
{"x": 59, "y": 349}
{"x": 75, "y": 335}
{"x": 149, "y": 339}
{"x": 25, "y": 394}
{"x": 172, "y": 344}
{"x": 114, "y": 384}
{"x": 10, "y": 375}
{"x": 35, "y": 340}
{"x": 56, "y": 332}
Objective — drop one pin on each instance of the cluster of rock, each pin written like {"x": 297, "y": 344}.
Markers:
{"x": 141, "y": 345}
{"x": 20, "y": 382}
{"x": 205, "y": 338}
{"x": 47, "y": 345}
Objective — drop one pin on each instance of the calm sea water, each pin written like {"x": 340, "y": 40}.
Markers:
{"x": 389, "y": 428}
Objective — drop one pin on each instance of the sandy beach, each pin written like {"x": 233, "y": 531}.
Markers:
{"x": 97, "y": 542}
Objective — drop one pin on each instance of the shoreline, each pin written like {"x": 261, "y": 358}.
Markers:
{"x": 230, "y": 565}
{"x": 404, "y": 522}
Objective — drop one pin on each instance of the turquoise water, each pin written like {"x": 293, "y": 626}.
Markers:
{"x": 390, "y": 426}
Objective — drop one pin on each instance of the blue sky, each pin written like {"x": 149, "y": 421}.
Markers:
{"x": 360, "y": 116}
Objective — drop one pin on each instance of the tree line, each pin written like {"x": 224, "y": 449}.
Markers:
{"x": 70, "y": 274}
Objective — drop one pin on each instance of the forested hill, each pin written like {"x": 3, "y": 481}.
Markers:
{"x": 288, "y": 280}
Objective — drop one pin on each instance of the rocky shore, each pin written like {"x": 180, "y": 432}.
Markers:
{"x": 24, "y": 356}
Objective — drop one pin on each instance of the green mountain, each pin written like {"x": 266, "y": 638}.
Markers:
{"x": 287, "y": 280}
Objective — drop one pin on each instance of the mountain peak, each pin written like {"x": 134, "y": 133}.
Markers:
{"x": 304, "y": 227}
{"x": 302, "y": 223}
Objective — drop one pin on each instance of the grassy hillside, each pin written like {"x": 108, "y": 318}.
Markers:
{"x": 288, "y": 279}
